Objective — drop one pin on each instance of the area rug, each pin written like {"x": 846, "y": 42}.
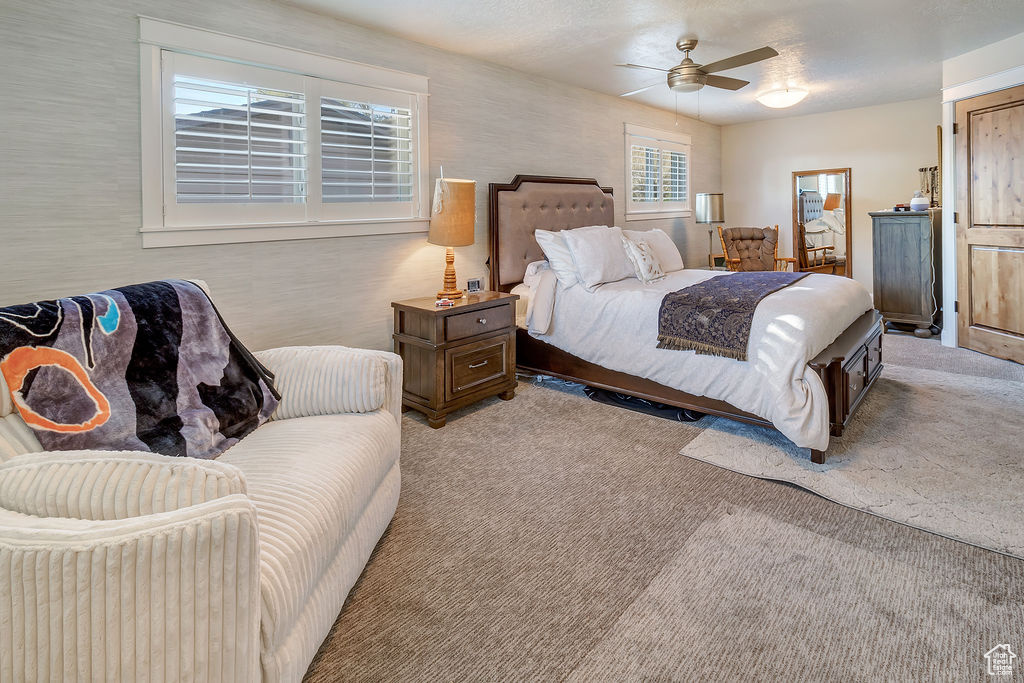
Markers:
{"x": 764, "y": 579}
{"x": 939, "y": 451}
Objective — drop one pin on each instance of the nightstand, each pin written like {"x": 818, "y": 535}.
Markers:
{"x": 457, "y": 355}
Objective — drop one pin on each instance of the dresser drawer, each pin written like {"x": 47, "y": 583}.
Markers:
{"x": 477, "y": 365}
{"x": 477, "y": 322}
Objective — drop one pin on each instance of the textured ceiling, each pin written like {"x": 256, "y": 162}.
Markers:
{"x": 848, "y": 53}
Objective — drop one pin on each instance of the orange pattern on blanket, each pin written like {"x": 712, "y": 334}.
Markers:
{"x": 22, "y": 360}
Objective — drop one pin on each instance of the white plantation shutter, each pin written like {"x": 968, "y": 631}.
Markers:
{"x": 366, "y": 151}
{"x": 658, "y": 171}
{"x": 238, "y": 143}
{"x": 645, "y": 173}
{"x": 674, "y": 187}
{"x": 246, "y": 145}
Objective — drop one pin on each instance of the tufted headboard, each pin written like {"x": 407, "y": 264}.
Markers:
{"x": 810, "y": 207}
{"x": 530, "y": 203}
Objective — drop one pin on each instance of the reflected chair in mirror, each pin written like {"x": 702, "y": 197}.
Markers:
{"x": 812, "y": 256}
{"x": 814, "y": 259}
{"x": 752, "y": 249}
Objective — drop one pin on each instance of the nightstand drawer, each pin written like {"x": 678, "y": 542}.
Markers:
{"x": 474, "y": 366}
{"x": 477, "y": 322}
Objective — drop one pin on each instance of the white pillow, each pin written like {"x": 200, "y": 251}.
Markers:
{"x": 661, "y": 244}
{"x": 598, "y": 254}
{"x": 558, "y": 255}
{"x": 645, "y": 263}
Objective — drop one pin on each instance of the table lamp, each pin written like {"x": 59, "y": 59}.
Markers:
{"x": 452, "y": 224}
{"x": 832, "y": 201}
{"x": 710, "y": 208}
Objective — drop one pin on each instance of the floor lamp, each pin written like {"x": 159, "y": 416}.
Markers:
{"x": 710, "y": 208}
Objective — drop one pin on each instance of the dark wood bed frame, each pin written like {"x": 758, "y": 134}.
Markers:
{"x": 848, "y": 367}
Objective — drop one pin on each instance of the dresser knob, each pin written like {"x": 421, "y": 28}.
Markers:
{"x": 482, "y": 321}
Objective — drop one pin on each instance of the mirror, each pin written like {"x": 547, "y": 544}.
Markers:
{"x": 822, "y": 239}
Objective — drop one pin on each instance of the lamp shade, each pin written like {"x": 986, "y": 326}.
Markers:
{"x": 454, "y": 213}
{"x": 710, "y": 207}
{"x": 832, "y": 201}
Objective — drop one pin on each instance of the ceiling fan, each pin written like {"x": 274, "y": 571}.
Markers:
{"x": 687, "y": 76}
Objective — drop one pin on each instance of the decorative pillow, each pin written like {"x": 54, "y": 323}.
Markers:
{"x": 645, "y": 263}
{"x": 598, "y": 254}
{"x": 661, "y": 244}
{"x": 558, "y": 255}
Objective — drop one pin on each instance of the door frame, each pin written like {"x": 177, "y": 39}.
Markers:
{"x": 961, "y": 91}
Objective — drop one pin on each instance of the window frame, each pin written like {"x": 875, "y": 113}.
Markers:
{"x": 663, "y": 141}
{"x": 165, "y": 225}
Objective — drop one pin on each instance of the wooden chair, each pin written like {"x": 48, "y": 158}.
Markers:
{"x": 751, "y": 249}
{"x": 814, "y": 259}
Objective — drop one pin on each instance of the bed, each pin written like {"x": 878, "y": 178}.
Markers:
{"x": 822, "y": 383}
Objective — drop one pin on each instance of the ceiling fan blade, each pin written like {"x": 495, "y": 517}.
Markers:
{"x": 739, "y": 60}
{"x": 641, "y": 66}
{"x": 639, "y": 90}
{"x": 726, "y": 82}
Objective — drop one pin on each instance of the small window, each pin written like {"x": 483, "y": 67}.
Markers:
{"x": 658, "y": 172}
{"x": 238, "y": 152}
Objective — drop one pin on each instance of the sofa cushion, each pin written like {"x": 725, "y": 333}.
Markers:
{"x": 310, "y": 479}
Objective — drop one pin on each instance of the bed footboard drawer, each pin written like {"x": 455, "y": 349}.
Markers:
{"x": 855, "y": 376}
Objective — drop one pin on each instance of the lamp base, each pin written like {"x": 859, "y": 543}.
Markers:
{"x": 449, "y": 291}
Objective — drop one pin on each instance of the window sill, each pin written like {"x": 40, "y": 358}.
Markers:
{"x": 656, "y": 215}
{"x": 156, "y": 237}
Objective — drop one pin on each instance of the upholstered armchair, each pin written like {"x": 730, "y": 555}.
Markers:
{"x": 752, "y": 249}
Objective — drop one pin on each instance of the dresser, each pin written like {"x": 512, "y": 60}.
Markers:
{"x": 458, "y": 355}
{"x": 908, "y": 270}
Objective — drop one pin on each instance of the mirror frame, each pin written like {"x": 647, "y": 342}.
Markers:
{"x": 847, "y": 205}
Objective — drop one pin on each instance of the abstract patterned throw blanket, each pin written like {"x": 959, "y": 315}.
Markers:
{"x": 713, "y": 317}
{"x": 148, "y": 367}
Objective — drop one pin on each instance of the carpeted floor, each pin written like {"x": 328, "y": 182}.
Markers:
{"x": 553, "y": 537}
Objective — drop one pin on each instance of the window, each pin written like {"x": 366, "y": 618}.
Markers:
{"x": 658, "y": 173}
{"x": 234, "y": 151}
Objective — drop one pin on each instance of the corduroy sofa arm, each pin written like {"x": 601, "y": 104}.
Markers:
{"x": 329, "y": 380}
{"x": 162, "y": 597}
{"x": 106, "y": 485}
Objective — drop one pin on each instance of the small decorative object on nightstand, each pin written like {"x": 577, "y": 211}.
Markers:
{"x": 456, "y": 355}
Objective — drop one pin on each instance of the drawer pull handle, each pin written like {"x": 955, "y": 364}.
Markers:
{"x": 482, "y": 321}
{"x": 474, "y": 366}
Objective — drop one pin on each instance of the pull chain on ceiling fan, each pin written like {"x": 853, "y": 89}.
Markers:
{"x": 688, "y": 76}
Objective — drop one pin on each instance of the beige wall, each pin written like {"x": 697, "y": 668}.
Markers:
{"x": 883, "y": 145}
{"x": 69, "y": 172}
{"x": 985, "y": 61}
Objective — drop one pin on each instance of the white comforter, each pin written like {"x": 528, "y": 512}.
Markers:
{"x": 616, "y": 327}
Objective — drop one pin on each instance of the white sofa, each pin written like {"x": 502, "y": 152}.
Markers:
{"x": 134, "y": 566}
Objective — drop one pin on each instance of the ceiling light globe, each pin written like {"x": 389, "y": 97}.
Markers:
{"x": 780, "y": 99}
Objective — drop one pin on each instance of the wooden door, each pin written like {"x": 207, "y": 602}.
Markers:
{"x": 990, "y": 223}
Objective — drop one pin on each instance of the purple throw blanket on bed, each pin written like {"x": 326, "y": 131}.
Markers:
{"x": 713, "y": 317}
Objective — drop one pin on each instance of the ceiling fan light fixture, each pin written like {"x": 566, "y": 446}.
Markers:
{"x": 686, "y": 82}
{"x": 782, "y": 98}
